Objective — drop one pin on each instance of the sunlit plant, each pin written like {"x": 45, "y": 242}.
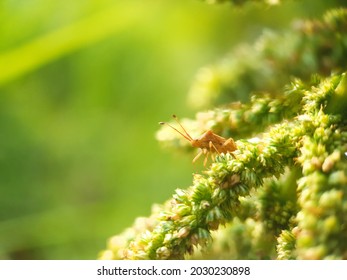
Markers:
{"x": 281, "y": 192}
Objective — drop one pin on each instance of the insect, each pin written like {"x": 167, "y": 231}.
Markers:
{"x": 209, "y": 143}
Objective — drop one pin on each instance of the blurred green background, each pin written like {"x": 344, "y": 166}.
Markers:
{"x": 83, "y": 85}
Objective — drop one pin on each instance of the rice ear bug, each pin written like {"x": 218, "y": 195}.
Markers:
{"x": 209, "y": 142}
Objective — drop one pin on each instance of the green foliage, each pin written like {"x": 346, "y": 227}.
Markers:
{"x": 312, "y": 46}
{"x": 82, "y": 87}
{"x": 63, "y": 41}
{"x": 282, "y": 194}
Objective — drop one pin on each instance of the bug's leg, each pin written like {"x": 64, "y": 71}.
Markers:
{"x": 198, "y": 155}
{"x": 206, "y": 157}
{"x": 213, "y": 146}
{"x": 213, "y": 157}
{"x": 228, "y": 141}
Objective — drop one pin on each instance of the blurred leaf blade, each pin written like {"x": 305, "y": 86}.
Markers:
{"x": 61, "y": 42}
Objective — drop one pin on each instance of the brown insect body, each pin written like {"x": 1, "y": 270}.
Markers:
{"x": 209, "y": 143}
{"x": 220, "y": 144}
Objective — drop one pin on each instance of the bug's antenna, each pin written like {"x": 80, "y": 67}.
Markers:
{"x": 176, "y": 119}
{"x": 187, "y": 136}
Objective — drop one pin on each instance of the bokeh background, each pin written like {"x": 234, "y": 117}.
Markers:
{"x": 83, "y": 85}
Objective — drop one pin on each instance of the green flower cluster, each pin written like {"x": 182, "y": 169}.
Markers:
{"x": 219, "y": 195}
{"x": 286, "y": 245}
{"x": 312, "y": 46}
{"x": 240, "y": 239}
{"x": 322, "y": 220}
{"x": 282, "y": 194}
